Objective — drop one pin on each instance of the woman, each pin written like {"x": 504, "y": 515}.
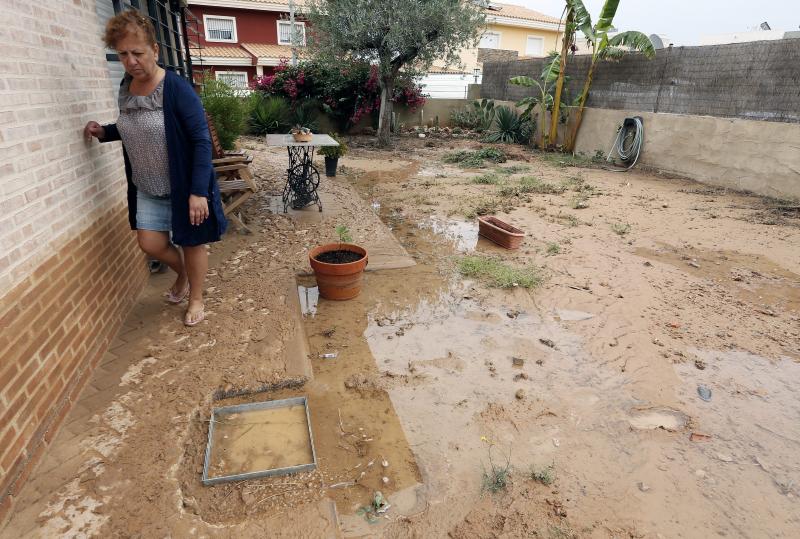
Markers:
{"x": 167, "y": 148}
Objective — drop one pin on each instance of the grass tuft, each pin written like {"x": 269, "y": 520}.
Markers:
{"x": 498, "y": 274}
{"x": 621, "y": 228}
{"x": 579, "y": 202}
{"x": 486, "y": 179}
{"x": 545, "y": 476}
{"x": 476, "y": 159}
{"x": 553, "y": 248}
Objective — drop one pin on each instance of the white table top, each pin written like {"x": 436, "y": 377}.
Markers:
{"x": 288, "y": 140}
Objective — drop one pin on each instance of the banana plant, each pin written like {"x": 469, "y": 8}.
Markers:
{"x": 603, "y": 48}
{"x": 544, "y": 99}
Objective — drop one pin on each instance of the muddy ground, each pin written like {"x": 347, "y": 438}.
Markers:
{"x": 651, "y": 287}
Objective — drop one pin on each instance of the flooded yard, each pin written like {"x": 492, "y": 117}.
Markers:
{"x": 645, "y": 385}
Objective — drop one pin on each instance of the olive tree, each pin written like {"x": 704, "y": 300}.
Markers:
{"x": 394, "y": 34}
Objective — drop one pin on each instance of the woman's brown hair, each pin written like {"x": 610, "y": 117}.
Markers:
{"x": 119, "y": 26}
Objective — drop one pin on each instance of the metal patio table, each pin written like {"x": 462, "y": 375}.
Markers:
{"x": 302, "y": 177}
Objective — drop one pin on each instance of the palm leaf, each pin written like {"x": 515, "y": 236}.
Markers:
{"x": 606, "y": 20}
{"x": 583, "y": 20}
{"x": 552, "y": 65}
{"x": 523, "y": 81}
{"x": 634, "y": 40}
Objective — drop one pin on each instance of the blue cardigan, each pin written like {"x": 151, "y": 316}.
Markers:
{"x": 190, "y": 168}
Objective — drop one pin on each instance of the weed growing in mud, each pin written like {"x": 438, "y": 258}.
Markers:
{"x": 513, "y": 169}
{"x": 553, "y": 248}
{"x": 579, "y": 202}
{"x": 486, "y": 179}
{"x": 498, "y": 274}
{"x": 577, "y": 184}
{"x": 566, "y": 160}
{"x": 545, "y": 476}
{"x": 568, "y": 220}
{"x": 530, "y": 184}
{"x": 474, "y": 207}
{"x": 560, "y": 532}
{"x": 496, "y": 477}
{"x": 476, "y": 159}
{"x": 621, "y": 228}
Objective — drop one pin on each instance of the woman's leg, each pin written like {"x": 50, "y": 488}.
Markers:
{"x": 157, "y": 245}
{"x": 196, "y": 259}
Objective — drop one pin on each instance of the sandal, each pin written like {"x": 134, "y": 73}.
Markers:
{"x": 172, "y": 297}
{"x": 196, "y": 317}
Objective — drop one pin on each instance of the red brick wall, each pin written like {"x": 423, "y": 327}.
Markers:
{"x": 69, "y": 265}
{"x": 251, "y": 26}
{"x": 57, "y": 323}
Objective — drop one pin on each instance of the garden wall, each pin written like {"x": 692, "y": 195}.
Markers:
{"x": 724, "y": 114}
{"x": 69, "y": 265}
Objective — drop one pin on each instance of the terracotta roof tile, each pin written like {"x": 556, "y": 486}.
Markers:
{"x": 519, "y": 12}
{"x": 272, "y": 51}
{"x": 220, "y": 52}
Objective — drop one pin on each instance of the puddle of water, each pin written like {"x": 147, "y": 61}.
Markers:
{"x": 259, "y": 440}
{"x": 751, "y": 278}
{"x": 463, "y": 234}
{"x": 572, "y": 316}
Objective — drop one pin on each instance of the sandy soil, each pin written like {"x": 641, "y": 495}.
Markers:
{"x": 658, "y": 285}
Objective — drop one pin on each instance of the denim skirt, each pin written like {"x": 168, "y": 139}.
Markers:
{"x": 153, "y": 212}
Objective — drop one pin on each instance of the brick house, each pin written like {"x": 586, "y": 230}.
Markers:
{"x": 239, "y": 40}
{"x": 70, "y": 269}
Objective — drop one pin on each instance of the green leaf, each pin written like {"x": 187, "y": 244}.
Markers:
{"x": 634, "y": 40}
{"x": 583, "y": 20}
{"x": 522, "y": 81}
{"x": 607, "y": 13}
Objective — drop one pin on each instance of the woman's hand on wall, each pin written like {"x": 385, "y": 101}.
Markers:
{"x": 93, "y": 129}
{"x": 198, "y": 209}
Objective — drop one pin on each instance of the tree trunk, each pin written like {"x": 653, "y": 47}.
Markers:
{"x": 542, "y": 123}
{"x": 385, "y": 115}
{"x": 573, "y": 137}
{"x": 568, "y": 33}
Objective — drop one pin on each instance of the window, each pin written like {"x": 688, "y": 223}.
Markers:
{"x": 234, "y": 79}
{"x": 220, "y": 28}
{"x": 285, "y": 33}
{"x": 535, "y": 46}
{"x": 490, "y": 40}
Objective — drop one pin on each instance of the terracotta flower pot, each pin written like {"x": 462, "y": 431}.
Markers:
{"x": 338, "y": 281}
{"x": 500, "y": 232}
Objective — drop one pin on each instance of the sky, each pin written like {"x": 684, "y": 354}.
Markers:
{"x": 684, "y": 21}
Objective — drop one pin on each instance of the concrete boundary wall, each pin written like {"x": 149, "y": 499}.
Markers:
{"x": 746, "y": 155}
{"x": 755, "y": 80}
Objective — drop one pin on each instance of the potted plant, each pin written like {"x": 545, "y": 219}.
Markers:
{"x": 301, "y": 134}
{"x": 332, "y": 154}
{"x": 339, "y": 267}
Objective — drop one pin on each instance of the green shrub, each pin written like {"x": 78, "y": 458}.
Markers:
{"x": 478, "y": 115}
{"x": 305, "y": 114}
{"x": 227, "y": 109}
{"x": 334, "y": 152}
{"x": 486, "y": 179}
{"x": 509, "y": 127}
{"x": 269, "y": 114}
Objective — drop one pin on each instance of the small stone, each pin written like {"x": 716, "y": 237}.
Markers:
{"x": 520, "y": 376}
{"x": 724, "y": 458}
{"x": 700, "y": 473}
{"x": 540, "y": 362}
{"x": 700, "y": 364}
{"x": 520, "y": 394}
{"x": 693, "y": 264}
{"x": 385, "y": 480}
{"x": 547, "y": 342}
{"x": 518, "y": 361}
{"x": 385, "y": 463}
{"x": 643, "y": 487}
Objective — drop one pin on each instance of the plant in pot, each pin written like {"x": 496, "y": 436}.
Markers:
{"x": 301, "y": 134}
{"x": 339, "y": 267}
{"x": 332, "y": 154}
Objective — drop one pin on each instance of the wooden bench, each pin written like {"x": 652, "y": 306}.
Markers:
{"x": 236, "y": 183}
